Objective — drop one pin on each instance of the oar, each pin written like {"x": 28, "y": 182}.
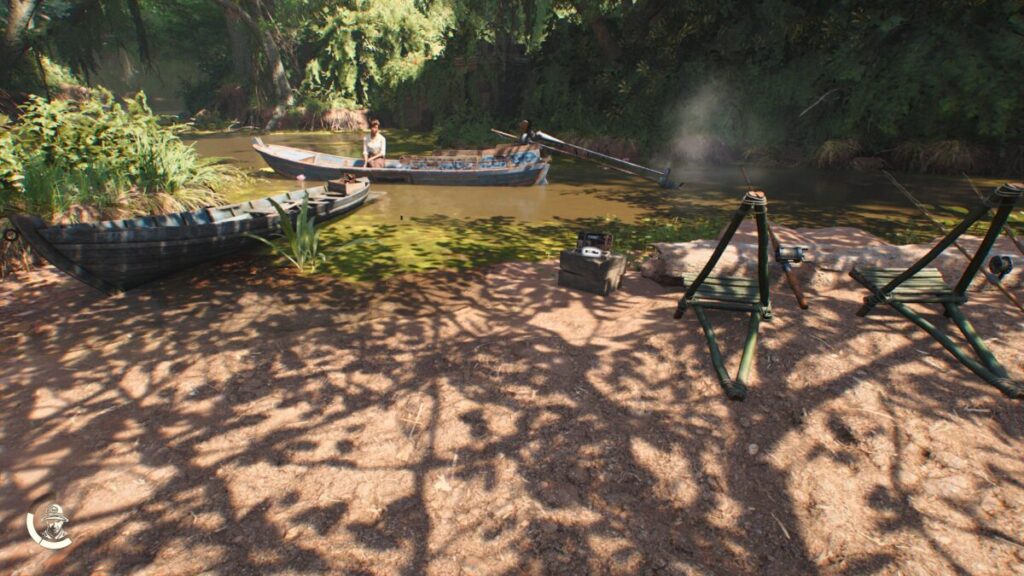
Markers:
{"x": 549, "y": 142}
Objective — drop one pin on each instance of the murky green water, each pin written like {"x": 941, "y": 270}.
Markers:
{"x": 422, "y": 227}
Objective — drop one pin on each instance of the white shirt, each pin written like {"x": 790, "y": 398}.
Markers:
{"x": 373, "y": 146}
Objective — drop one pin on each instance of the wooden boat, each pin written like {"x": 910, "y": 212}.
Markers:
{"x": 118, "y": 255}
{"x": 502, "y": 166}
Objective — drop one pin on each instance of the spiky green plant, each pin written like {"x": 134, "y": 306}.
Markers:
{"x": 301, "y": 241}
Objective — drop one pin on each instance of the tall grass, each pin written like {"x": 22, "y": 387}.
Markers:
{"x": 837, "y": 153}
{"x": 101, "y": 159}
{"x": 939, "y": 157}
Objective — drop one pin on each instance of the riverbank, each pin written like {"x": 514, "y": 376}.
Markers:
{"x": 244, "y": 420}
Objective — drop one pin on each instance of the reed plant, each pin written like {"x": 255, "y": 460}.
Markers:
{"x": 301, "y": 240}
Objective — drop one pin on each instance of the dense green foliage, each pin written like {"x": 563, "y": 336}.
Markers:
{"x": 705, "y": 80}
{"x": 97, "y": 158}
{"x": 358, "y": 51}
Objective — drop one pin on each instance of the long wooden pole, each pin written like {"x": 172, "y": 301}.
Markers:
{"x": 556, "y": 145}
{"x": 592, "y": 153}
{"x": 553, "y": 149}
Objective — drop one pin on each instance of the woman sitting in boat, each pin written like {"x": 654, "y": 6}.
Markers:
{"x": 528, "y": 134}
{"x": 374, "y": 146}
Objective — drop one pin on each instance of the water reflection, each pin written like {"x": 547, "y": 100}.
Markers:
{"x": 580, "y": 194}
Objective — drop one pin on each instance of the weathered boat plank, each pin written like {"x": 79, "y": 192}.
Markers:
{"x": 113, "y": 256}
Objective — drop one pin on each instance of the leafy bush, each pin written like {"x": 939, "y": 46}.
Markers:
{"x": 106, "y": 159}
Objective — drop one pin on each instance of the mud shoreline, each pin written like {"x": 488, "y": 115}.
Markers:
{"x": 244, "y": 420}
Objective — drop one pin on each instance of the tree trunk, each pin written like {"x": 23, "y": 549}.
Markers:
{"x": 599, "y": 26}
{"x": 279, "y": 78}
{"x": 241, "y": 59}
{"x": 604, "y": 37}
{"x": 19, "y": 15}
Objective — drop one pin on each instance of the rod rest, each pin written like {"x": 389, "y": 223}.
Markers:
{"x": 755, "y": 198}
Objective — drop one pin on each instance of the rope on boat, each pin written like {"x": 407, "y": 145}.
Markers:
{"x": 942, "y": 229}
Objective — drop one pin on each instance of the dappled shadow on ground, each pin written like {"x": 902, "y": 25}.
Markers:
{"x": 249, "y": 421}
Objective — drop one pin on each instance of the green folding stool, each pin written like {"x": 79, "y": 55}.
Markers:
{"x": 733, "y": 293}
{"x": 918, "y": 284}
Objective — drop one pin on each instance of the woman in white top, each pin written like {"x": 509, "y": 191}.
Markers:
{"x": 374, "y": 146}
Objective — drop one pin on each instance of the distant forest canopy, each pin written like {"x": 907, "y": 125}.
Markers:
{"x": 840, "y": 77}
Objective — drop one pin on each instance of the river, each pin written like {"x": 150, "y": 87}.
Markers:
{"x": 424, "y": 227}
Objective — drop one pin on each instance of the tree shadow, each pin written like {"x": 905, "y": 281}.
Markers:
{"x": 254, "y": 421}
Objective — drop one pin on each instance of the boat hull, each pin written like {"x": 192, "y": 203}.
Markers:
{"x": 115, "y": 256}
{"x": 294, "y": 162}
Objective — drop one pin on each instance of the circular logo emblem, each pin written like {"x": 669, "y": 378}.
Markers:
{"x": 53, "y": 536}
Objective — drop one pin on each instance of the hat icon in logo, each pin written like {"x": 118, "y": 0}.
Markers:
{"x": 54, "y": 521}
{"x": 53, "y": 536}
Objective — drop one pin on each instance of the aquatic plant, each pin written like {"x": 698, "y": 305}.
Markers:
{"x": 301, "y": 240}
{"x": 109, "y": 159}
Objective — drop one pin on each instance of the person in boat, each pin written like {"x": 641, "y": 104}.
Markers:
{"x": 528, "y": 134}
{"x": 374, "y": 146}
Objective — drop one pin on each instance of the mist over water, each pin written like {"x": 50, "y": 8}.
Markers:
{"x": 698, "y": 122}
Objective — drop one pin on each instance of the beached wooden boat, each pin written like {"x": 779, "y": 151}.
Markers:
{"x": 519, "y": 165}
{"x": 118, "y": 255}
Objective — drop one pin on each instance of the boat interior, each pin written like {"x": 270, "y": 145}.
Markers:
{"x": 289, "y": 201}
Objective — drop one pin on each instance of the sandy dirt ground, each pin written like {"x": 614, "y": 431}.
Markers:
{"x": 242, "y": 420}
